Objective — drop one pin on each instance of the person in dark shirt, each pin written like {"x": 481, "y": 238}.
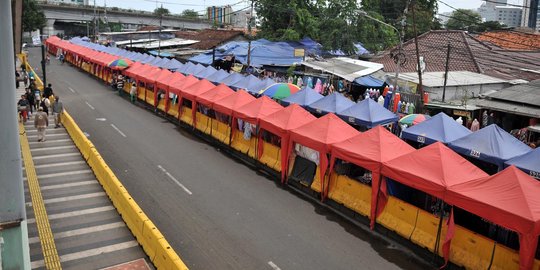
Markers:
{"x": 48, "y": 91}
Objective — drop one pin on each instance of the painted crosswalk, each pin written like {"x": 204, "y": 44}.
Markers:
{"x": 88, "y": 232}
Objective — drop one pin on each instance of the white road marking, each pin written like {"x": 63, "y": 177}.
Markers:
{"x": 88, "y": 253}
{"x": 86, "y": 134}
{"x": 74, "y": 198}
{"x": 59, "y": 164}
{"x": 119, "y": 131}
{"x": 89, "y": 105}
{"x": 71, "y": 89}
{"x": 76, "y": 213}
{"x": 273, "y": 265}
{"x": 101, "y": 119}
{"x": 81, "y": 231}
{"x": 56, "y": 156}
{"x": 69, "y": 185}
{"x": 54, "y": 175}
{"x": 175, "y": 180}
{"x": 52, "y": 148}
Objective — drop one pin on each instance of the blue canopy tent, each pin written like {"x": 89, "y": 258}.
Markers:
{"x": 194, "y": 69}
{"x": 217, "y": 77}
{"x": 333, "y": 103}
{"x": 209, "y": 70}
{"x": 173, "y": 65}
{"x": 304, "y": 97}
{"x": 529, "y": 163}
{"x": 186, "y": 66}
{"x": 163, "y": 63}
{"x": 368, "y": 113}
{"x": 232, "y": 79}
{"x": 369, "y": 81}
{"x": 155, "y": 61}
{"x": 248, "y": 83}
{"x": 491, "y": 144}
{"x": 439, "y": 128}
{"x": 147, "y": 59}
{"x": 263, "y": 85}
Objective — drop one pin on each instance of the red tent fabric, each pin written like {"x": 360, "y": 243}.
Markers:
{"x": 131, "y": 69}
{"x": 162, "y": 78}
{"x": 176, "y": 79}
{"x": 280, "y": 123}
{"x": 208, "y": 98}
{"x": 186, "y": 82}
{"x": 232, "y": 102}
{"x": 432, "y": 169}
{"x": 148, "y": 75}
{"x": 191, "y": 92}
{"x": 508, "y": 198}
{"x": 253, "y": 111}
{"x": 319, "y": 135}
{"x": 369, "y": 150}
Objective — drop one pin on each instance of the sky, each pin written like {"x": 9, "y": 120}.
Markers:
{"x": 176, "y": 6}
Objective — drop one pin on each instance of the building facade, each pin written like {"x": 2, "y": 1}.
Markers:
{"x": 220, "y": 15}
{"x": 531, "y": 14}
{"x": 499, "y": 11}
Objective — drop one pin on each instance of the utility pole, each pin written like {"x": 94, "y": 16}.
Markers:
{"x": 43, "y": 65}
{"x": 250, "y": 35}
{"x": 446, "y": 72}
{"x": 94, "y": 20}
{"x": 159, "y": 34}
{"x": 420, "y": 86}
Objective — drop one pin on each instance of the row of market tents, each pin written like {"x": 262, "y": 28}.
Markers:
{"x": 508, "y": 198}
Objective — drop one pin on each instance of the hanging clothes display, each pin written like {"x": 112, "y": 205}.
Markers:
{"x": 300, "y": 82}
{"x": 411, "y": 108}
{"x": 295, "y": 80}
{"x": 406, "y": 108}
{"x": 309, "y": 82}
{"x": 381, "y": 101}
{"x": 475, "y": 126}
{"x": 318, "y": 86}
{"x": 385, "y": 91}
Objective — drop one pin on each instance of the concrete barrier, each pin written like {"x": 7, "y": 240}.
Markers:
{"x": 149, "y": 237}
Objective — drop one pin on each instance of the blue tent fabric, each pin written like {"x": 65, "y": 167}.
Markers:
{"x": 173, "y": 65}
{"x": 491, "y": 144}
{"x": 209, "y": 70}
{"x": 368, "y": 113}
{"x": 439, "y": 128}
{"x": 194, "y": 69}
{"x": 529, "y": 163}
{"x": 155, "y": 61}
{"x": 186, "y": 66}
{"x": 232, "y": 79}
{"x": 163, "y": 63}
{"x": 263, "y": 85}
{"x": 248, "y": 83}
{"x": 369, "y": 81}
{"x": 333, "y": 103}
{"x": 218, "y": 77}
{"x": 304, "y": 97}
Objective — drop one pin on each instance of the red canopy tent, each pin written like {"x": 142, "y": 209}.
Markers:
{"x": 148, "y": 75}
{"x": 369, "y": 150}
{"x": 176, "y": 79}
{"x": 280, "y": 123}
{"x": 131, "y": 69}
{"x": 508, "y": 198}
{"x": 219, "y": 92}
{"x": 162, "y": 78}
{"x": 179, "y": 85}
{"x": 232, "y": 102}
{"x": 254, "y": 110}
{"x": 191, "y": 92}
{"x": 319, "y": 135}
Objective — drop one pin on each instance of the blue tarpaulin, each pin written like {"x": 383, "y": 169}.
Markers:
{"x": 491, "y": 144}
{"x": 217, "y": 77}
{"x": 439, "y": 128}
{"x": 529, "y": 163}
{"x": 248, "y": 83}
{"x": 209, "y": 70}
{"x": 333, "y": 103}
{"x": 368, "y": 113}
{"x": 304, "y": 97}
{"x": 232, "y": 79}
{"x": 369, "y": 81}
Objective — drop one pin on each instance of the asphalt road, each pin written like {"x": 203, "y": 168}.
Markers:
{"x": 226, "y": 216}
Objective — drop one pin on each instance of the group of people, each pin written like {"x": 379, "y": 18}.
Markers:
{"x": 118, "y": 82}
{"x": 43, "y": 104}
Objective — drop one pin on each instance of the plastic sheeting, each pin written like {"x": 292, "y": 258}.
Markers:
{"x": 439, "y": 128}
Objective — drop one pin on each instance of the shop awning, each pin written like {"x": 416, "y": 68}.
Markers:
{"x": 344, "y": 67}
{"x": 439, "y": 128}
{"x": 368, "y": 113}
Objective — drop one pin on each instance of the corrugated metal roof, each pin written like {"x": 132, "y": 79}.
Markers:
{"x": 455, "y": 78}
{"x": 346, "y": 68}
{"x": 504, "y": 106}
{"x": 523, "y": 93}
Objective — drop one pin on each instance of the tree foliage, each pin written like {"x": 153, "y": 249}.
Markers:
{"x": 33, "y": 17}
{"x": 190, "y": 13}
{"x": 161, "y": 11}
{"x": 463, "y": 19}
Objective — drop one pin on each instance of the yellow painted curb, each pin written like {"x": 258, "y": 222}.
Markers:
{"x": 50, "y": 254}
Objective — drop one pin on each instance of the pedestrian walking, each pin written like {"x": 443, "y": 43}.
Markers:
{"x": 41, "y": 122}
{"x": 133, "y": 92}
{"x": 25, "y": 78}
{"x": 23, "y": 108}
{"x": 31, "y": 100}
{"x": 57, "y": 110}
{"x": 45, "y": 104}
{"x": 17, "y": 78}
{"x": 47, "y": 92}
{"x": 120, "y": 84}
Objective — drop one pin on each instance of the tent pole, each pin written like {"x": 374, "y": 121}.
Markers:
{"x": 438, "y": 239}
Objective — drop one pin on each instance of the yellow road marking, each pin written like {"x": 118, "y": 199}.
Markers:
{"x": 50, "y": 254}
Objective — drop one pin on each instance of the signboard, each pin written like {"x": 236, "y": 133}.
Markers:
{"x": 299, "y": 52}
{"x": 462, "y": 113}
{"x": 36, "y": 40}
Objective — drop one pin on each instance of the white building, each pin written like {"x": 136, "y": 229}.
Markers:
{"x": 528, "y": 11}
{"x": 74, "y": 2}
{"x": 498, "y": 11}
